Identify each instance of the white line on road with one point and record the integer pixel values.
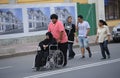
(1, 68)
(74, 68)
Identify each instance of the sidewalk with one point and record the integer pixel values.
(29, 48)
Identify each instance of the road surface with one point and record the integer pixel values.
(21, 67)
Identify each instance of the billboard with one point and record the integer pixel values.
(11, 21)
(38, 18)
(64, 12)
(31, 19)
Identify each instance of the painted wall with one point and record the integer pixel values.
(31, 19)
(81, 1)
(113, 22)
(4, 1)
(42, 1)
(39, 1)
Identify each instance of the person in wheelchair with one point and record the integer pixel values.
(44, 45)
(40, 59)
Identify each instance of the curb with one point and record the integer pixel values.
(33, 52)
(17, 54)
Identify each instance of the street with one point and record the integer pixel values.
(21, 67)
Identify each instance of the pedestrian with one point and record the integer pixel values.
(103, 37)
(70, 30)
(83, 29)
(56, 27)
(41, 57)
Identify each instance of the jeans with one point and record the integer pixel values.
(104, 49)
(70, 48)
(83, 42)
(63, 47)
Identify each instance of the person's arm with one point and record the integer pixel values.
(76, 33)
(97, 36)
(60, 38)
(41, 44)
(61, 30)
(88, 29)
(96, 41)
(74, 29)
(108, 34)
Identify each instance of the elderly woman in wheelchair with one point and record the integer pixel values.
(49, 56)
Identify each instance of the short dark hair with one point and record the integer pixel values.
(54, 16)
(80, 16)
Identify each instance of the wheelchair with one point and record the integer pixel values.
(55, 58)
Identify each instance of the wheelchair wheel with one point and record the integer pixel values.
(59, 59)
(50, 62)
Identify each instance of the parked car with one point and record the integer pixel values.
(116, 33)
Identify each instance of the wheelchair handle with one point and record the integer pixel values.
(56, 45)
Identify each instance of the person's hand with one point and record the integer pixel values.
(77, 40)
(96, 42)
(44, 46)
(108, 39)
(59, 41)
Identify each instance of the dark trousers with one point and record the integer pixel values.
(63, 47)
(104, 48)
(70, 48)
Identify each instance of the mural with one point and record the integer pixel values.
(38, 18)
(11, 21)
(64, 11)
(31, 19)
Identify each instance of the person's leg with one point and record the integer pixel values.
(86, 44)
(102, 51)
(83, 52)
(89, 51)
(82, 46)
(63, 47)
(106, 48)
(71, 52)
(69, 49)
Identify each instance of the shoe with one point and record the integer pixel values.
(103, 58)
(37, 68)
(108, 56)
(82, 57)
(70, 58)
(90, 55)
(34, 68)
(64, 65)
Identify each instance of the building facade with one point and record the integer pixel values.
(37, 20)
(108, 10)
(63, 14)
(9, 23)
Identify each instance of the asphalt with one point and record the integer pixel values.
(21, 67)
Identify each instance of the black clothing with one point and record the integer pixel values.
(104, 49)
(63, 47)
(40, 59)
(70, 30)
(47, 42)
(71, 52)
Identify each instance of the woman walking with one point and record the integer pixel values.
(70, 30)
(103, 37)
